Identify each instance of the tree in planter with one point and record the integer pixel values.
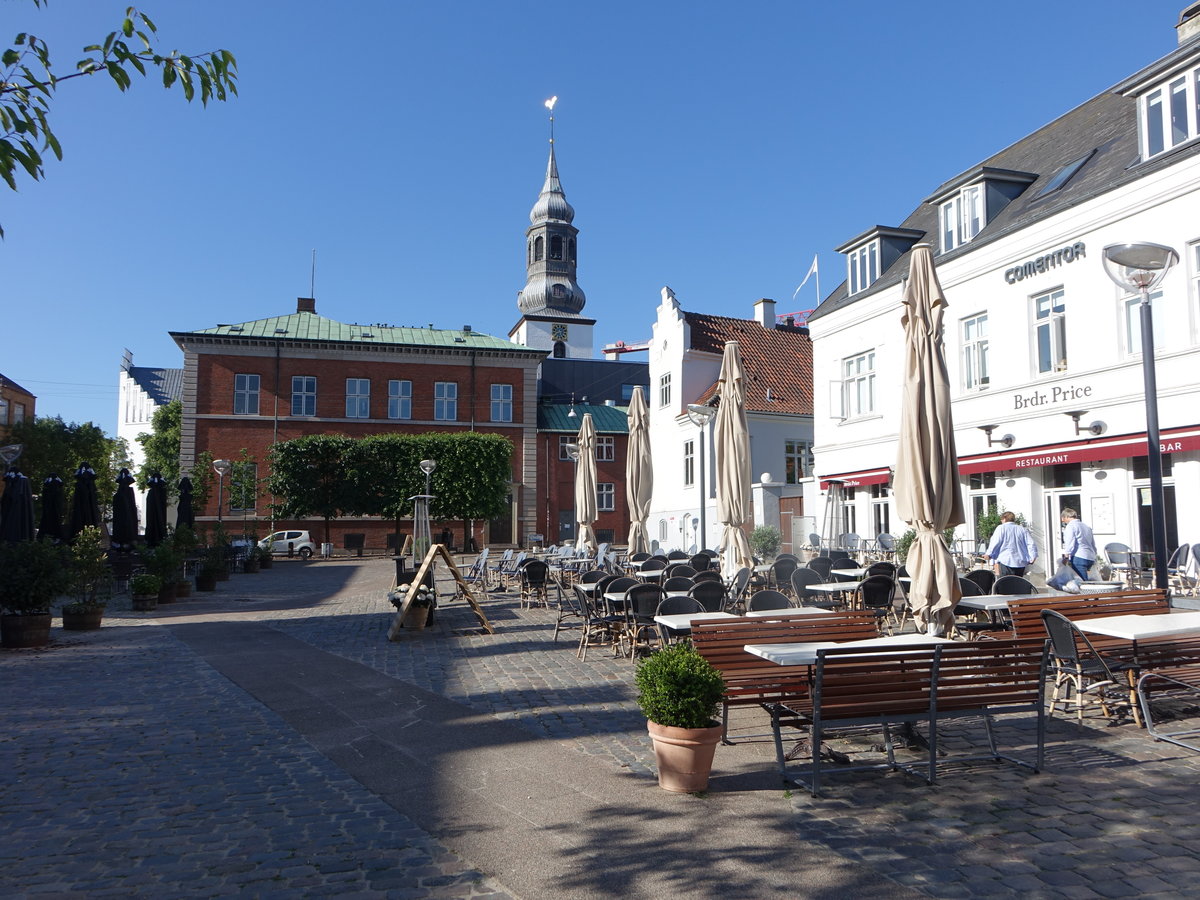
(905, 541)
(202, 476)
(91, 581)
(32, 575)
(766, 540)
(166, 562)
(309, 478)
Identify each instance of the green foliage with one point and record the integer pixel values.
(51, 445)
(161, 447)
(679, 688)
(203, 478)
(165, 561)
(185, 541)
(904, 543)
(989, 521)
(309, 478)
(141, 585)
(32, 575)
(28, 83)
(91, 576)
(765, 541)
(242, 489)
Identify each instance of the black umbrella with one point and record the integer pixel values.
(85, 507)
(17, 522)
(53, 506)
(156, 510)
(183, 513)
(125, 517)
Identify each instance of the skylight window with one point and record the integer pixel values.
(1063, 175)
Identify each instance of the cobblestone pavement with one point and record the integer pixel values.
(133, 768)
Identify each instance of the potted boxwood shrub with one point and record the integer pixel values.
(765, 541)
(32, 575)
(678, 692)
(91, 582)
(144, 589)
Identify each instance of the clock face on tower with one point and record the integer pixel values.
(558, 332)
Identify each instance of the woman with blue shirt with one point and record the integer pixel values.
(1012, 547)
(1079, 544)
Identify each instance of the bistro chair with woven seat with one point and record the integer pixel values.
(600, 626)
(886, 543)
(641, 605)
(676, 584)
(735, 590)
(1118, 556)
(1013, 584)
(569, 604)
(675, 606)
(879, 597)
(822, 565)
(653, 564)
(678, 555)
(882, 568)
(768, 600)
(971, 623)
(591, 576)
(534, 577)
(709, 594)
(700, 562)
(1088, 676)
(801, 579)
(708, 575)
(984, 578)
(620, 584)
(680, 569)
(842, 565)
(781, 574)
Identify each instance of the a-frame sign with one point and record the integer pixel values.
(435, 551)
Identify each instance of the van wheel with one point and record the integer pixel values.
(305, 552)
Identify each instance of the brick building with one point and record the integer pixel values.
(16, 404)
(252, 384)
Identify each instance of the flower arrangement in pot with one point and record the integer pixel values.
(144, 589)
(32, 575)
(91, 582)
(417, 614)
(678, 692)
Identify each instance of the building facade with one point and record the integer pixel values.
(1044, 350)
(16, 405)
(142, 391)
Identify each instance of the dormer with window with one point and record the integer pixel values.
(968, 203)
(870, 254)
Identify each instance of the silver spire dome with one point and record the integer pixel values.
(552, 202)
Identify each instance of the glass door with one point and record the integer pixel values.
(1056, 501)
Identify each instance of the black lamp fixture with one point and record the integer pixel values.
(1004, 441)
(1096, 429)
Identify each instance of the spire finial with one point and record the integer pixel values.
(550, 106)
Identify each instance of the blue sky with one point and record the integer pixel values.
(712, 147)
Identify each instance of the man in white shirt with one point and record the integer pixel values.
(1012, 546)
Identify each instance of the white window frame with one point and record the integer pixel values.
(962, 217)
(1193, 250)
(399, 399)
(1131, 313)
(797, 461)
(445, 401)
(502, 402)
(664, 390)
(1177, 122)
(358, 398)
(304, 392)
(689, 463)
(606, 448)
(858, 385)
(881, 508)
(606, 496)
(863, 265)
(973, 331)
(245, 393)
(1053, 324)
(3, 410)
(564, 441)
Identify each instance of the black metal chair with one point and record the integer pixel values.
(984, 578)
(735, 591)
(675, 606)
(677, 583)
(681, 569)
(534, 577)
(700, 562)
(600, 624)
(971, 623)
(675, 555)
(882, 568)
(768, 600)
(641, 605)
(822, 565)
(801, 579)
(710, 595)
(592, 575)
(781, 574)
(878, 597)
(1085, 672)
(1013, 584)
(841, 565)
(708, 575)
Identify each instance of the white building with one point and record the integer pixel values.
(685, 353)
(141, 391)
(1040, 342)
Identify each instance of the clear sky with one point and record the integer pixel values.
(712, 147)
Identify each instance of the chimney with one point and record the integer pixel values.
(306, 304)
(1188, 27)
(764, 312)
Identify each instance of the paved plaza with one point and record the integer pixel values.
(268, 741)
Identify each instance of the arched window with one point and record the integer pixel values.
(560, 350)
(662, 529)
(529, 253)
(558, 291)
(571, 248)
(537, 249)
(556, 247)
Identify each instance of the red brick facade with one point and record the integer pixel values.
(556, 490)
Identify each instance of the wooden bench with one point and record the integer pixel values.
(752, 681)
(1026, 612)
(886, 686)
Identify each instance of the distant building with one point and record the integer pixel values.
(16, 405)
(141, 391)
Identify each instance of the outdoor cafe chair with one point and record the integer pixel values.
(984, 578)
(591, 576)
(569, 606)
(1119, 558)
(882, 568)
(792, 556)
(835, 555)
(641, 605)
(675, 555)
(841, 565)
(735, 591)
(814, 541)
(676, 583)
(768, 600)
(700, 562)
(1013, 584)
(971, 623)
(708, 575)
(710, 595)
(1087, 676)
(781, 574)
(675, 606)
(600, 626)
(652, 565)
(885, 543)
(879, 597)
(680, 569)
(801, 579)
(822, 565)
(534, 576)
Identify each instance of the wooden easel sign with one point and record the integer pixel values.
(435, 551)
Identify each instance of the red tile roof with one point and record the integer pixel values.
(777, 359)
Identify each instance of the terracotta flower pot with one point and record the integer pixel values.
(28, 630)
(684, 756)
(86, 620)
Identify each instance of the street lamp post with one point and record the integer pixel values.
(573, 454)
(422, 538)
(700, 416)
(1140, 268)
(222, 467)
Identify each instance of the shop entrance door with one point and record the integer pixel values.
(1056, 501)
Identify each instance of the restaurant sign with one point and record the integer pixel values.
(1085, 451)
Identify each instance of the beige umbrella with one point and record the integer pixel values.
(733, 462)
(585, 485)
(926, 480)
(639, 472)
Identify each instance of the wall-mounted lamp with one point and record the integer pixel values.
(1096, 428)
(1005, 441)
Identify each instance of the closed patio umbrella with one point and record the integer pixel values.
(125, 520)
(184, 515)
(585, 485)
(732, 438)
(639, 472)
(17, 522)
(54, 505)
(85, 506)
(156, 510)
(926, 479)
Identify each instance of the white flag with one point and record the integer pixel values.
(812, 270)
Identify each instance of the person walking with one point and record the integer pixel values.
(1079, 544)
(1012, 548)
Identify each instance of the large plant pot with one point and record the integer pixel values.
(206, 582)
(416, 617)
(266, 562)
(183, 590)
(250, 567)
(87, 620)
(684, 756)
(28, 630)
(145, 602)
(166, 593)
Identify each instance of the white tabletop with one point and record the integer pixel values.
(588, 588)
(987, 603)
(833, 587)
(764, 568)
(851, 573)
(1140, 627)
(683, 621)
(652, 575)
(806, 654)
(790, 611)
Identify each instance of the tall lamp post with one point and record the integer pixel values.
(422, 539)
(700, 416)
(573, 454)
(222, 467)
(1140, 268)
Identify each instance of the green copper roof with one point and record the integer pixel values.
(607, 419)
(306, 326)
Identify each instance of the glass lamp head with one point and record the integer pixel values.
(222, 467)
(573, 451)
(1138, 267)
(428, 465)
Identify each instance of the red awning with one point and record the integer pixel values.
(858, 479)
(1172, 440)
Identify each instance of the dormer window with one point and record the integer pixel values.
(1168, 115)
(962, 217)
(864, 266)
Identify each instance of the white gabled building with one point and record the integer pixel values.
(141, 391)
(1040, 342)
